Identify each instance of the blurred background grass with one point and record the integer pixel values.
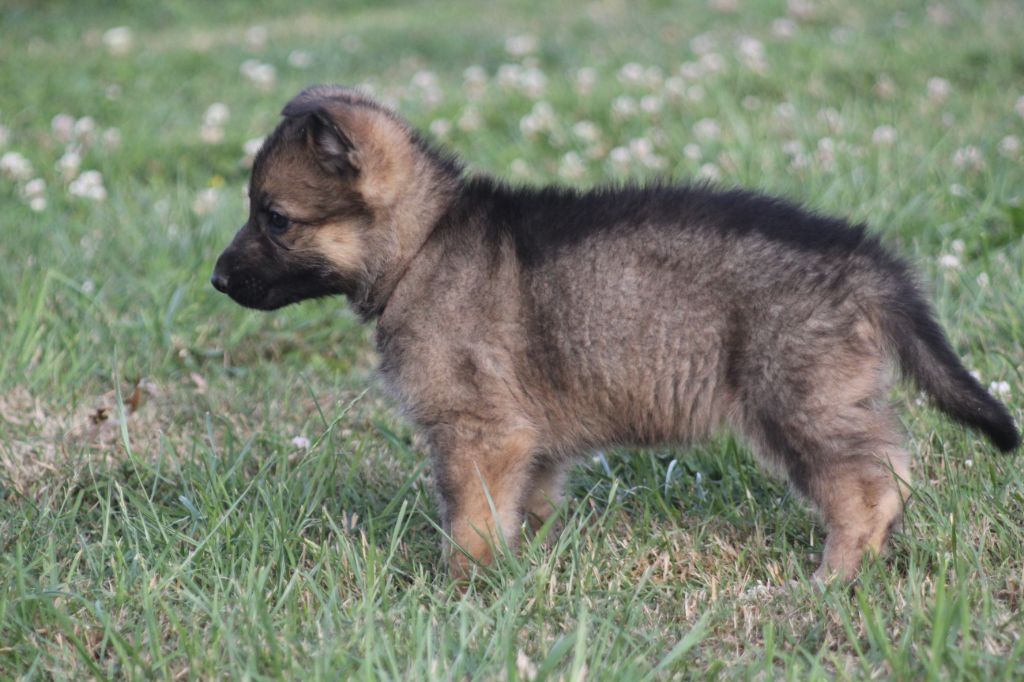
(204, 526)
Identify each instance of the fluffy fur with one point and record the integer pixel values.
(521, 327)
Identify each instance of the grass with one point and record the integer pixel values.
(158, 519)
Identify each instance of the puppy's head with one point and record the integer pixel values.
(324, 192)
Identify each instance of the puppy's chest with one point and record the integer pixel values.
(437, 367)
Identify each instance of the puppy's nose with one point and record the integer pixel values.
(219, 281)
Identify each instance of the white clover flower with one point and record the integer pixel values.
(709, 171)
(724, 6)
(532, 82)
(425, 80)
(470, 120)
(653, 76)
(586, 79)
(983, 280)
(712, 62)
(884, 136)
(675, 87)
(541, 119)
(1000, 388)
(957, 190)
(475, 74)
(958, 246)
(948, 261)
(440, 127)
(88, 287)
(263, 76)
(631, 74)
(651, 104)
(521, 45)
(1009, 146)
(68, 164)
(301, 442)
(63, 127)
(474, 81)
(783, 28)
(623, 107)
(938, 89)
(211, 134)
(256, 37)
(85, 128)
(586, 131)
(111, 138)
(707, 129)
(217, 114)
(118, 40)
(785, 110)
(88, 185)
(802, 10)
(969, 157)
(508, 76)
(37, 204)
(693, 152)
(654, 162)
(691, 71)
(640, 147)
(620, 157)
(520, 169)
(34, 188)
(800, 161)
(752, 53)
(792, 147)
(300, 59)
(702, 43)
(885, 87)
(15, 166)
(826, 153)
(572, 167)
(206, 201)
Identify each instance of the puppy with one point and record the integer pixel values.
(520, 327)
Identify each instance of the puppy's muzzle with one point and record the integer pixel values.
(219, 280)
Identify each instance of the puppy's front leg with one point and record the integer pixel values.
(481, 472)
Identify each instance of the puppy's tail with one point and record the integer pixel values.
(925, 355)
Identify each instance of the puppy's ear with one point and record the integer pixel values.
(332, 147)
(321, 120)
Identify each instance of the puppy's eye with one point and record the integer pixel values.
(278, 223)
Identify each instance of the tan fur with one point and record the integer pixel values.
(339, 244)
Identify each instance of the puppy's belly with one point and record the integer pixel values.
(658, 398)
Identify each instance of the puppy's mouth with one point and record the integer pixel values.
(255, 291)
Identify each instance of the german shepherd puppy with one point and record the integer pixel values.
(520, 327)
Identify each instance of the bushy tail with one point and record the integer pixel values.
(926, 356)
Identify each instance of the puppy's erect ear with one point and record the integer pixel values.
(321, 118)
(333, 148)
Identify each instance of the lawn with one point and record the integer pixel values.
(191, 490)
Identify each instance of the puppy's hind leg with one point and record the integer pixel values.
(851, 467)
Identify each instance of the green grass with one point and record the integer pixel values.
(172, 529)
